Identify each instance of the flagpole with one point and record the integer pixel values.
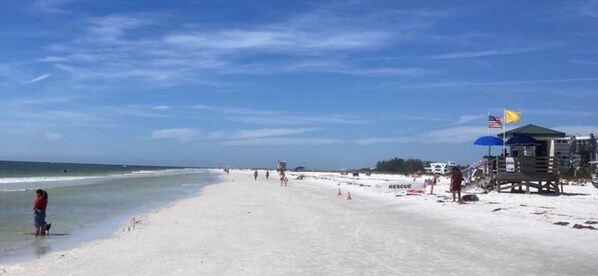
(504, 123)
(488, 124)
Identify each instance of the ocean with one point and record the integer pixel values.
(85, 202)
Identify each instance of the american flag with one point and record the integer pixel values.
(494, 122)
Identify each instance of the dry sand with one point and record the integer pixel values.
(247, 227)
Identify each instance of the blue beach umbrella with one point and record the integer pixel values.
(522, 140)
(488, 141)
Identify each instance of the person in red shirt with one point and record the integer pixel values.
(39, 212)
(456, 180)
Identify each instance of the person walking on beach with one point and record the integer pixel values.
(456, 180)
(39, 212)
(283, 179)
(255, 175)
(267, 174)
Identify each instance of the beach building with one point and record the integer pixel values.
(440, 168)
(570, 149)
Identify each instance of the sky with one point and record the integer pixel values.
(320, 84)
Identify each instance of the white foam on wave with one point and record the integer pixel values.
(37, 179)
(17, 190)
(162, 172)
(42, 179)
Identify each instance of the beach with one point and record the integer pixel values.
(242, 226)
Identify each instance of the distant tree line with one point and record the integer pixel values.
(400, 165)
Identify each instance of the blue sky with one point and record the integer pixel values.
(322, 84)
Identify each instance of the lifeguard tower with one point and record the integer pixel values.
(530, 162)
(281, 166)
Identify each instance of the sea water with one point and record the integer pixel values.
(85, 202)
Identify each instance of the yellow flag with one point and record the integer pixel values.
(512, 116)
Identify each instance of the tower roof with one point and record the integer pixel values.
(533, 131)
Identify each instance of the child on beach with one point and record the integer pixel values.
(456, 179)
(267, 174)
(39, 212)
(255, 175)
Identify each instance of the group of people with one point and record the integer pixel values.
(42, 228)
(283, 178)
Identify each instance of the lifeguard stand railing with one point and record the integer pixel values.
(540, 172)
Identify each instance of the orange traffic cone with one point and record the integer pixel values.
(339, 192)
(349, 196)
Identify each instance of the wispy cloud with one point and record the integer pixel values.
(578, 129)
(492, 52)
(473, 54)
(266, 117)
(282, 40)
(114, 27)
(585, 62)
(391, 140)
(181, 134)
(516, 82)
(39, 78)
(51, 6)
(116, 47)
(589, 8)
(269, 132)
(162, 107)
(135, 110)
(563, 111)
(468, 118)
(53, 136)
(454, 135)
(282, 141)
(239, 137)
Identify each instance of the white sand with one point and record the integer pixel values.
(247, 227)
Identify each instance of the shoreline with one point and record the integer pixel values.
(102, 229)
(239, 226)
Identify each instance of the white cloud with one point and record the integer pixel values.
(585, 62)
(113, 47)
(473, 54)
(266, 117)
(277, 39)
(589, 8)
(455, 135)
(269, 132)
(578, 129)
(393, 140)
(51, 6)
(516, 82)
(181, 134)
(162, 107)
(492, 52)
(468, 118)
(39, 78)
(235, 137)
(53, 136)
(113, 27)
(282, 141)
